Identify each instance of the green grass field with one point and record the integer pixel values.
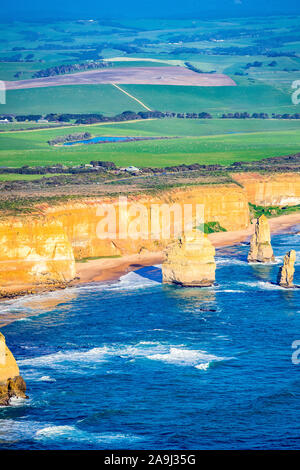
(108, 100)
(17, 177)
(258, 98)
(195, 143)
(104, 99)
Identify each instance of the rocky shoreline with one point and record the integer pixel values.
(11, 383)
(111, 269)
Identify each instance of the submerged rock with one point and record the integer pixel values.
(286, 272)
(190, 262)
(11, 383)
(261, 250)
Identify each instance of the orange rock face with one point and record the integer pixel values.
(261, 250)
(41, 250)
(190, 262)
(271, 190)
(286, 272)
(34, 252)
(81, 221)
(11, 383)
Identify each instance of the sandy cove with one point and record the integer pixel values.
(108, 269)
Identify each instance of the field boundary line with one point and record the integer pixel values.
(131, 96)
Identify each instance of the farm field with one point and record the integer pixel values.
(31, 148)
(167, 127)
(108, 100)
(263, 73)
(17, 177)
(215, 100)
(132, 75)
(104, 99)
(261, 56)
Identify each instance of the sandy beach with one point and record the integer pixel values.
(107, 269)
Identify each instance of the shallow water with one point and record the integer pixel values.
(140, 365)
(97, 140)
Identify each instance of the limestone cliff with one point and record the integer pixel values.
(11, 383)
(40, 251)
(190, 262)
(286, 272)
(260, 245)
(271, 190)
(34, 251)
(226, 204)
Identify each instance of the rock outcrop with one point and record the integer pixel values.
(286, 272)
(34, 252)
(261, 250)
(190, 262)
(11, 383)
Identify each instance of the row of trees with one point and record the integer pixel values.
(69, 68)
(125, 116)
(246, 115)
(131, 116)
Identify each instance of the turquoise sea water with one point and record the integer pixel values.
(136, 364)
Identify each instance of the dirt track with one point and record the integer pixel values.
(128, 75)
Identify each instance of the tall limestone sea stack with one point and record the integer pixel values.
(190, 262)
(286, 272)
(261, 250)
(11, 383)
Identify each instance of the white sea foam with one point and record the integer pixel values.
(224, 261)
(13, 429)
(233, 290)
(55, 431)
(186, 357)
(72, 360)
(17, 402)
(262, 285)
(14, 402)
(46, 378)
(73, 433)
(128, 282)
(53, 360)
(204, 366)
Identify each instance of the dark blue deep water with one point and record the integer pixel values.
(139, 365)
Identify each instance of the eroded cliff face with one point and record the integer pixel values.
(190, 262)
(34, 251)
(11, 383)
(227, 205)
(40, 251)
(271, 190)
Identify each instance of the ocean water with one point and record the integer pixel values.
(136, 364)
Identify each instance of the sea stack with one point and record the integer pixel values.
(11, 383)
(286, 272)
(261, 250)
(190, 261)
